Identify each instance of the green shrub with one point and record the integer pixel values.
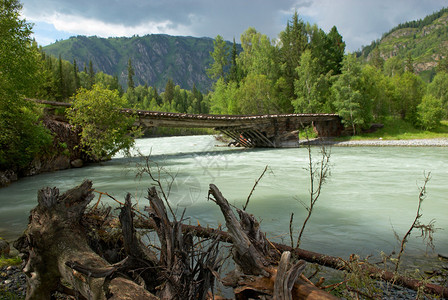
(104, 129)
(430, 112)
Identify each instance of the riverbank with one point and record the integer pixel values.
(438, 142)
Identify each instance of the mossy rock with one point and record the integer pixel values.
(4, 247)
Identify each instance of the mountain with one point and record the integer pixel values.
(155, 58)
(425, 41)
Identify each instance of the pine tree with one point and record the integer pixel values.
(76, 76)
(293, 43)
(91, 75)
(169, 91)
(60, 81)
(410, 64)
(335, 49)
(233, 74)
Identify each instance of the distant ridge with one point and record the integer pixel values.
(155, 58)
(425, 41)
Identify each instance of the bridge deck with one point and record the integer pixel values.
(248, 130)
(167, 119)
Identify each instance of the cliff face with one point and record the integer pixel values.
(155, 58)
(425, 41)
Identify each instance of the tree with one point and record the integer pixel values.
(409, 63)
(220, 58)
(254, 95)
(22, 136)
(258, 54)
(76, 76)
(430, 112)
(224, 98)
(335, 48)
(293, 41)
(312, 89)
(60, 81)
(439, 89)
(91, 81)
(130, 75)
(376, 60)
(169, 91)
(234, 70)
(350, 101)
(409, 90)
(104, 129)
(378, 88)
(393, 66)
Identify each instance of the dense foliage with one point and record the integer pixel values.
(21, 134)
(306, 71)
(104, 129)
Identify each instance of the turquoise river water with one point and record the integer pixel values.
(371, 192)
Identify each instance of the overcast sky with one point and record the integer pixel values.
(358, 21)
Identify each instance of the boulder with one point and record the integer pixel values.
(6, 177)
(77, 163)
(4, 247)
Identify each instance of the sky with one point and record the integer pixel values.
(358, 21)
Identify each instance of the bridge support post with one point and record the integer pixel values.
(328, 128)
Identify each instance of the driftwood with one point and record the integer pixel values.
(182, 278)
(320, 259)
(254, 256)
(55, 247)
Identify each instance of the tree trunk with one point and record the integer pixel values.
(56, 248)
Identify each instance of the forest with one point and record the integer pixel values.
(305, 70)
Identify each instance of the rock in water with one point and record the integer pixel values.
(77, 163)
(4, 247)
(443, 256)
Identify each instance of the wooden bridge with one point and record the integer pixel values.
(247, 130)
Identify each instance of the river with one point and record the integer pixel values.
(371, 192)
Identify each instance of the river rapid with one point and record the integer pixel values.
(371, 192)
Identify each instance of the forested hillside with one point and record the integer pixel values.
(422, 42)
(155, 58)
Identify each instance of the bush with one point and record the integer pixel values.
(104, 129)
(430, 112)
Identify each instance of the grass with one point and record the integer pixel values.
(397, 129)
(12, 261)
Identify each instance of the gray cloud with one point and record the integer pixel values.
(359, 21)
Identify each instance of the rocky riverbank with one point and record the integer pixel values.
(64, 153)
(440, 142)
(12, 283)
(13, 286)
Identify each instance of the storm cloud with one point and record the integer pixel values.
(358, 21)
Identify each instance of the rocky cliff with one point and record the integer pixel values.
(155, 58)
(425, 41)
